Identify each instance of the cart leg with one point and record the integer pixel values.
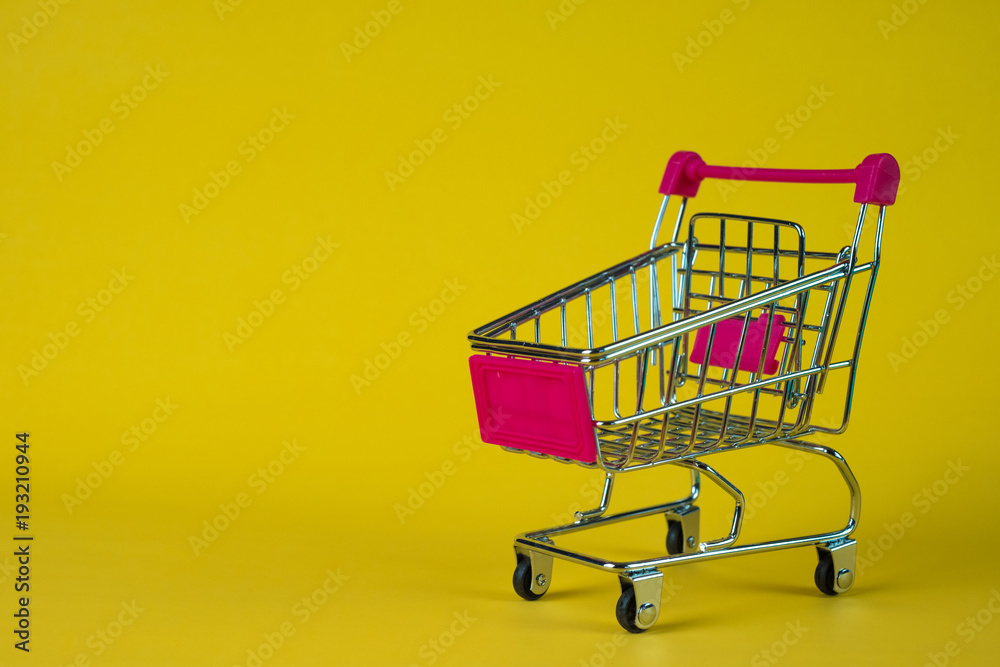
(837, 565)
(586, 515)
(845, 470)
(703, 468)
(683, 530)
(639, 604)
(533, 573)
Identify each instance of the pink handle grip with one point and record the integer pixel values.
(876, 179)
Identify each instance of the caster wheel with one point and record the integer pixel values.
(625, 611)
(825, 575)
(675, 538)
(522, 580)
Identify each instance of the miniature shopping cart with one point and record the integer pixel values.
(733, 337)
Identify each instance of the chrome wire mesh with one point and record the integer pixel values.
(631, 328)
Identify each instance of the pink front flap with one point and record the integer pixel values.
(534, 405)
(726, 344)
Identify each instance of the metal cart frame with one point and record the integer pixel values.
(737, 397)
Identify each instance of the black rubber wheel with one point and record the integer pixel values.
(675, 538)
(522, 580)
(625, 611)
(825, 575)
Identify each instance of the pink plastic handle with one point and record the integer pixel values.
(876, 179)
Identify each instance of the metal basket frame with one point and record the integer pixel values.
(675, 429)
(667, 428)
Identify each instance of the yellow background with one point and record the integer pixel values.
(334, 507)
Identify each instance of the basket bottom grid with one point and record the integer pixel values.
(614, 442)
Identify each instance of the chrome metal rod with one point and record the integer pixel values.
(735, 493)
(539, 540)
(581, 524)
(588, 515)
(659, 220)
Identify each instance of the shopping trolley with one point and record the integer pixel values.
(718, 342)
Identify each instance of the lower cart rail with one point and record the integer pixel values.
(641, 580)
